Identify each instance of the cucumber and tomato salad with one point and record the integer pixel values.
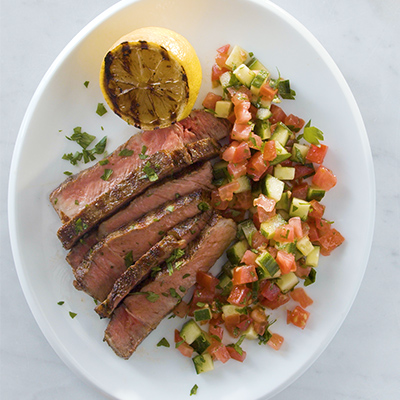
(270, 180)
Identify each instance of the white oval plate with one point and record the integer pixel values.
(62, 102)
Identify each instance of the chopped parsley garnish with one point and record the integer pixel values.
(311, 134)
(80, 226)
(174, 294)
(163, 342)
(285, 91)
(236, 345)
(150, 173)
(86, 83)
(72, 314)
(143, 155)
(310, 279)
(171, 260)
(182, 289)
(77, 202)
(68, 173)
(103, 162)
(82, 138)
(150, 296)
(155, 270)
(60, 303)
(128, 259)
(203, 206)
(101, 110)
(185, 276)
(107, 174)
(194, 390)
(125, 153)
(170, 208)
(100, 146)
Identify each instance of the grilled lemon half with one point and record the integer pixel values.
(151, 77)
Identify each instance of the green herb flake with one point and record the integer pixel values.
(103, 162)
(125, 153)
(200, 304)
(55, 201)
(161, 233)
(80, 226)
(101, 110)
(174, 294)
(310, 279)
(152, 297)
(100, 147)
(182, 289)
(177, 344)
(86, 83)
(194, 390)
(170, 208)
(60, 303)
(150, 173)
(72, 314)
(128, 259)
(107, 174)
(68, 173)
(203, 206)
(163, 342)
(143, 155)
(312, 134)
(82, 138)
(185, 276)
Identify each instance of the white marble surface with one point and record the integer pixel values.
(362, 36)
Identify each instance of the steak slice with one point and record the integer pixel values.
(197, 177)
(137, 316)
(108, 259)
(158, 166)
(177, 238)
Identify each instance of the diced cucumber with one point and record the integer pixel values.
(312, 259)
(190, 331)
(255, 64)
(229, 310)
(288, 247)
(223, 108)
(258, 81)
(284, 202)
(263, 128)
(299, 208)
(281, 134)
(272, 187)
(220, 170)
(203, 363)
(263, 113)
(315, 193)
(248, 228)
(224, 280)
(267, 267)
(225, 79)
(236, 252)
(269, 226)
(244, 184)
(299, 152)
(305, 246)
(287, 282)
(284, 173)
(281, 154)
(202, 314)
(236, 57)
(244, 75)
(250, 333)
(227, 269)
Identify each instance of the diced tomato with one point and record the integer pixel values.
(270, 291)
(253, 110)
(300, 296)
(184, 348)
(182, 309)
(316, 154)
(249, 258)
(258, 315)
(237, 169)
(258, 240)
(286, 262)
(331, 240)
(301, 171)
(242, 201)
(316, 210)
(324, 178)
(239, 296)
(269, 150)
(239, 94)
(278, 115)
(297, 226)
(284, 234)
(206, 281)
(230, 151)
(210, 100)
(241, 132)
(236, 215)
(224, 49)
(244, 274)
(323, 226)
(177, 336)
(216, 72)
(216, 330)
(226, 191)
(259, 327)
(257, 166)
(244, 324)
(218, 351)
(201, 295)
(264, 215)
(298, 317)
(242, 153)
(255, 142)
(300, 191)
(302, 271)
(235, 355)
(273, 251)
(274, 304)
(216, 201)
(313, 232)
(242, 113)
(275, 341)
(231, 323)
(220, 59)
(264, 202)
(267, 92)
(294, 123)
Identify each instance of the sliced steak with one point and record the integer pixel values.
(137, 316)
(195, 178)
(158, 166)
(108, 259)
(181, 185)
(177, 238)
